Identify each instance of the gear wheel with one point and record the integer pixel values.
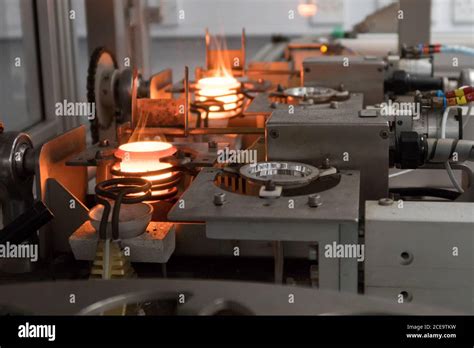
(94, 63)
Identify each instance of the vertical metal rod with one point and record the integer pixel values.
(135, 117)
(106, 267)
(243, 49)
(186, 101)
(208, 42)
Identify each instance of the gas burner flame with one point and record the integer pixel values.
(219, 91)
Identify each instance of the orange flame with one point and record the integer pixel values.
(220, 84)
(221, 61)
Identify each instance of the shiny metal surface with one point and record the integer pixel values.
(16, 182)
(340, 204)
(286, 174)
(319, 132)
(315, 94)
(16, 188)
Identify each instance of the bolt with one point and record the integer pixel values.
(326, 164)
(384, 134)
(314, 200)
(385, 201)
(219, 199)
(274, 133)
(334, 105)
(270, 185)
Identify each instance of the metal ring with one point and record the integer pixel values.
(285, 174)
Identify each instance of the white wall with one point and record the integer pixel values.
(265, 17)
(9, 18)
(259, 17)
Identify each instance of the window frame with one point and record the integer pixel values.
(50, 41)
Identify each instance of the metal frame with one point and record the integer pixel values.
(30, 45)
(57, 64)
(30, 57)
(56, 183)
(105, 26)
(122, 27)
(415, 28)
(243, 217)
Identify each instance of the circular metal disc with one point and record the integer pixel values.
(285, 174)
(316, 93)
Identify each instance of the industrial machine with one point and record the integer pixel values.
(324, 168)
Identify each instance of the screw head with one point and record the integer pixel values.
(326, 164)
(274, 133)
(385, 201)
(219, 198)
(383, 134)
(314, 200)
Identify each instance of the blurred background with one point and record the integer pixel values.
(173, 32)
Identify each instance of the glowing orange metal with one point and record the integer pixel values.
(144, 156)
(223, 89)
